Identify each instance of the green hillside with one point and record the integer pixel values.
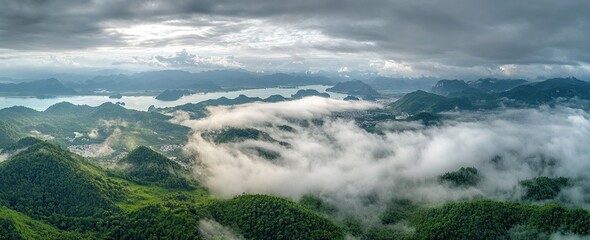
(15, 225)
(50, 183)
(420, 101)
(9, 134)
(494, 220)
(47, 192)
(145, 166)
(265, 217)
(81, 126)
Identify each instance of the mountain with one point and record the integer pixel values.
(199, 109)
(207, 81)
(266, 217)
(446, 87)
(386, 83)
(356, 88)
(205, 86)
(351, 98)
(47, 192)
(173, 95)
(461, 95)
(145, 166)
(275, 98)
(495, 85)
(308, 93)
(85, 129)
(9, 134)
(421, 101)
(549, 90)
(238, 135)
(16, 225)
(21, 144)
(487, 85)
(49, 87)
(46, 180)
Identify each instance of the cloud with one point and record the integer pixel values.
(211, 230)
(4, 157)
(184, 59)
(40, 135)
(345, 164)
(456, 38)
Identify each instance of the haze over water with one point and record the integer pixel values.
(142, 103)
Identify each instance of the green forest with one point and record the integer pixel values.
(47, 192)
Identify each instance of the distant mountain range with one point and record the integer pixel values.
(490, 93)
(488, 85)
(355, 88)
(202, 81)
(41, 88)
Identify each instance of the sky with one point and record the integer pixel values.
(446, 39)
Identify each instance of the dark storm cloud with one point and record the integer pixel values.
(457, 32)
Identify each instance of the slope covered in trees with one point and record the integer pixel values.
(420, 101)
(145, 166)
(49, 192)
(265, 217)
(50, 183)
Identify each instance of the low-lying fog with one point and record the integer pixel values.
(346, 165)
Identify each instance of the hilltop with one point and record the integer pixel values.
(355, 88)
(145, 166)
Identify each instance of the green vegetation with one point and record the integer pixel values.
(397, 210)
(464, 177)
(173, 95)
(50, 183)
(492, 94)
(265, 217)
(239, 134)
(308, 93)
(145, 166)
(47, 192)
(426, 118)
(494, 220)
(9, 134)
(228, 135)
(420, 101)
(167, 221)
(356, 88)
(15, 225)
(316, 204)
(21, 144)
(446, 87)
(542, 188)
(81, 127)
(40, 88)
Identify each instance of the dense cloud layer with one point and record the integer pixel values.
(346, 165)
(451, 38)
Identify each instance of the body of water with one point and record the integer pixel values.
(144, 102)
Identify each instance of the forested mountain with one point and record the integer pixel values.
(484, 85)
(356, 88)
(87, 130)
(145, 166)
(420, 101)
(40, 88)
(48, 191)
(459, 95)
(200, 81)
(446, 87)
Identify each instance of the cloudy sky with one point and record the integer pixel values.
(454, 38)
